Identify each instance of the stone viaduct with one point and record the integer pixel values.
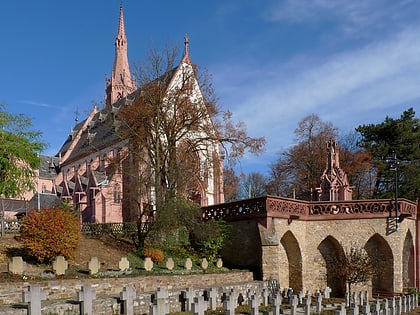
(291, 241)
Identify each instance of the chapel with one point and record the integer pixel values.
(85, 175)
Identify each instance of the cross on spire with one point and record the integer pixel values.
(186, 52)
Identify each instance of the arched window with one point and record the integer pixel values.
(117, 193)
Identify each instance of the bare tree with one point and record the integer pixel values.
(253, 185)
(299, 168)
(355, 267)
(230, 184)
(174, 130)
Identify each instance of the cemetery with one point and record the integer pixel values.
(212, 293)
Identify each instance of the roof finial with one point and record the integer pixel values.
(76, 119)
(186, 52)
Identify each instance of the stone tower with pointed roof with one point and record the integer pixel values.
(121, 83)
(334, 183)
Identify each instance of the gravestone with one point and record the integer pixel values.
(204, 264)
(385, 308)
(354, 298)
(403, 304)
(213, 292)
(300, 297)
(366, 308)
(366, 296)
(318, 297)
(199, 306)
(229, 306)
(170, 264)
(86, 297)
(60, 265)
(293, 305)
(361, 296)
(33, 297)
(148, 264)
(188, 264)
(233, 296)
(249, 294)
(327, 292)
(341, 310)
(255, 303)
(123, 264)
(219, 263)
(398, 305)
(16, 266)
(354, 309)
(392, 306)
(289, 295)
(308, 304)
(265, 295)
(162, 301)
(189, 298)
(277, 303)
(128, 295)
(376, 308)
(94, 265)
(347, 299)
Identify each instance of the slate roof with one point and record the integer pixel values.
(100, 132)
(48, 168)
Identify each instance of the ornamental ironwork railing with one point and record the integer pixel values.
(270, 206)
(91, 229)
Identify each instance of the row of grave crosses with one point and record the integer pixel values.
(198, 303)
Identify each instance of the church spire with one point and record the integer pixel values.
(186, 57)
(120, 84)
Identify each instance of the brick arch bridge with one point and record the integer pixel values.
(291, 240)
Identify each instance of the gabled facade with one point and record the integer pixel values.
(86, 175)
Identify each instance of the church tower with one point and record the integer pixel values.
(120, 84)
(334, 183)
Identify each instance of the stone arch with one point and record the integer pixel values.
(380, 252)
(332, 251)
(408, 261)
(294, 260)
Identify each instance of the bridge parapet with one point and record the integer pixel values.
(278, 207)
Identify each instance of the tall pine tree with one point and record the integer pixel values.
(398, 138)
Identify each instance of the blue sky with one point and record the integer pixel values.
(272, 62)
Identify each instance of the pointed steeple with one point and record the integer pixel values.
(334, 183)
(186, 58)
(120, 84)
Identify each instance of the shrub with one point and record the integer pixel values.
(210, 237)
(49, 233)
(156, 255)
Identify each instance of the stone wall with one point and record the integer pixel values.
(293, 251)
(61, 294)
(300, 242)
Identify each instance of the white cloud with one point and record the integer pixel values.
(38, 104)
(349, 87)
